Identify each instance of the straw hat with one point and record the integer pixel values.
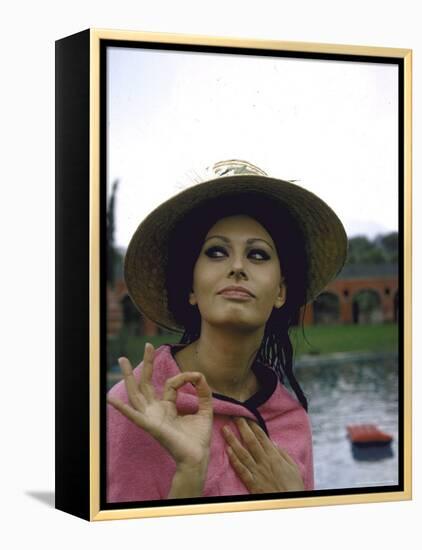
(146, 257)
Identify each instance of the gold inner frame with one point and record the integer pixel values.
(96, 514)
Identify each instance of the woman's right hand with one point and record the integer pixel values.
(187, 438)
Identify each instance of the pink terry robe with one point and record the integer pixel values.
(139, 469)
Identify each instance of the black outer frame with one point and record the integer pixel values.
(73, 436)
(72, 473)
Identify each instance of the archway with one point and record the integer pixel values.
(132, 319)
(327, 308)
(366, 307)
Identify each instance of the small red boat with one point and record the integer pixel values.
(367, 434)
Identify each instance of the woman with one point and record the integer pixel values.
(230, 262)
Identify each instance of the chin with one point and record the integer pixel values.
(237, 323)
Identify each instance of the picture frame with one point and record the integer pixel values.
(96, 99)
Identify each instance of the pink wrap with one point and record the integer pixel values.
(139, 469)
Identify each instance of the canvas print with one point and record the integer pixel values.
(252, 284)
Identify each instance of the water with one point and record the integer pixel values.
(352, 393)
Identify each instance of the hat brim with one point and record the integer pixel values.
(147, 253)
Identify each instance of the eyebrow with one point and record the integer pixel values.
(248, 241)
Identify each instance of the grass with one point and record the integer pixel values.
(322, 339)
(319, 339)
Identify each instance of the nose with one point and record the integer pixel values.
(237, 268)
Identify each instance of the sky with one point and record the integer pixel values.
(331, 126)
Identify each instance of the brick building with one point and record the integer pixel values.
(360, 294)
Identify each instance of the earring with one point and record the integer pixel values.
(279, 302)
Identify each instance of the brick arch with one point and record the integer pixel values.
(376, 291)
(325, 312)
(346, 288)
(145, 326)
(373, 315)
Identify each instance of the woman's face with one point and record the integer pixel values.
(237, 279)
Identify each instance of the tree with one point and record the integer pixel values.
(390, 245)
(111, 251)
(383, 249)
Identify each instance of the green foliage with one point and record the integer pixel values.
(382, 249)
(367, 301)
(390, 245)
(111, 250)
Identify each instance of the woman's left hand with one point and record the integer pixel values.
(260, 464)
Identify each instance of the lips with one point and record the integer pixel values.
(236, 292)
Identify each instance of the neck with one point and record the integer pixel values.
(225, 358)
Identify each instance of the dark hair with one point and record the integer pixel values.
(185, 244)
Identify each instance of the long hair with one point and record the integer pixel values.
(276, 349)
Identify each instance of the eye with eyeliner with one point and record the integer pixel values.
(218, 252)
(258, 254)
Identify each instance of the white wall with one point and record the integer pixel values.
(27, 229)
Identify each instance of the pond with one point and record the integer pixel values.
(352, 392)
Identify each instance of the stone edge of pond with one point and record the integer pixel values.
(343, 357)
